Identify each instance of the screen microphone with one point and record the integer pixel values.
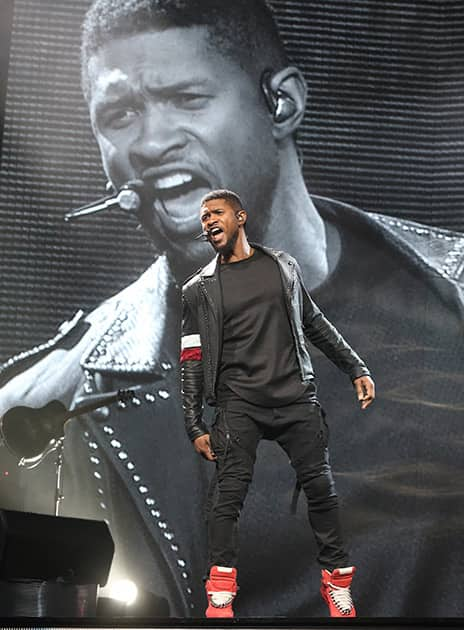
(128, 199)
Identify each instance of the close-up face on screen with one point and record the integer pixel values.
(220, 224)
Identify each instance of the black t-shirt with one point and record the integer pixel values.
(259, 362)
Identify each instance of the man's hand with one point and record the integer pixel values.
(203, 447)
(365, 390)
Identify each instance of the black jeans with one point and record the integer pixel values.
(301, 430)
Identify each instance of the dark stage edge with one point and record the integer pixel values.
(250, 623)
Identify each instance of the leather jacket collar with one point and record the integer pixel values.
(210, 269)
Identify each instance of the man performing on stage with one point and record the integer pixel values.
(246, 318)
(199, 95)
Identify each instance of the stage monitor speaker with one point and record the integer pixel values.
(50, 548)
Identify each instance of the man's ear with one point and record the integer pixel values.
(241, 216)
(285, 94)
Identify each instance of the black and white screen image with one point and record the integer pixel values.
(341, 127)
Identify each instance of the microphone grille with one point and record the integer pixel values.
(129, 200)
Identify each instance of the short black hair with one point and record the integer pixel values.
(224, 193)
(244, 30)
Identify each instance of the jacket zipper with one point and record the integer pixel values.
(205, 317)
(288, 295)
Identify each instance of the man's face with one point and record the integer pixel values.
(168, 109)
(220, 223)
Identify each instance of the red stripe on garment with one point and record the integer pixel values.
(190, 354)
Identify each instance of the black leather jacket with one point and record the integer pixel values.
(202, 327)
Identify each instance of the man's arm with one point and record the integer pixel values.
(326, 337)
(192, 382)
(34, 378)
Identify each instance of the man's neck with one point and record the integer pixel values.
(241, 250)
(295, 225)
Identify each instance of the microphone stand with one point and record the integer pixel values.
(59, 496)
(56, 444)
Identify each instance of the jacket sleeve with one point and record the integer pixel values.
(326, 337)
(191, 373)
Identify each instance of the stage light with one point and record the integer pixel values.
(123, 598)
(124, 591)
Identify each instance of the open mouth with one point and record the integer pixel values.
(180, 195)
(215, 233)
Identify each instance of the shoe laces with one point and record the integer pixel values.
(341, 597)
(221, 599)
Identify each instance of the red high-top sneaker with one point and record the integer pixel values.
(221, 589)
(335, 589)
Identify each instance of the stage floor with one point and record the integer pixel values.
(248, 623)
